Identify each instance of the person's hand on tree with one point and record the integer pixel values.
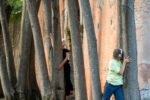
(51, 38)
(67, 55)
(58, 68)
(127, 60)
(64, 61)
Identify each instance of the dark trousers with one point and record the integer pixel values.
(110, 89)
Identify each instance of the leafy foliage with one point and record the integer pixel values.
(16, 8)
(67, 32)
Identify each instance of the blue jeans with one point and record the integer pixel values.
(110, 89)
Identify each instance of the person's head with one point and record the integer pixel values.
(63, 44)
(118, 54)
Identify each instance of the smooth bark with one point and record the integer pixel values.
(131, 91)
(39, 51)
(26, 41)
(92, 49)
(6, 84)
(48, 30)
(79, 73)
(123, 27)
(8, 45)
(58, 77)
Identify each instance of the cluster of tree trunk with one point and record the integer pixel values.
(14, 85)
(129, 46)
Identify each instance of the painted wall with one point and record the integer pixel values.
(142, 19)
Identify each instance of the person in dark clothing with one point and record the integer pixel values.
(65, 64)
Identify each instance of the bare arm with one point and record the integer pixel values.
(51, 39)
(64, 61)
(124, 65)
(123, 68)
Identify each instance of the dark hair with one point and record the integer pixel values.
(118, 53)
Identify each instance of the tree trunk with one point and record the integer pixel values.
(58, 77)
(123, 27)
(92, 49)
(47, 42)
(131, 91)
(48, 30)
(26, 41)
(8, 46)
(39, 51)
(6, 85)
(79, 74)
(119, 32)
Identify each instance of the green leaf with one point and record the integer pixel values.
(16, 6)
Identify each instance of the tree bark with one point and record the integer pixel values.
(123, 27)
(6, 85)
(79, 74)
(26, 41)
(131, 91)
(119, 32)
(92, 49)
(8, 46)
(58, 77)
(48, 30)
(39, 51)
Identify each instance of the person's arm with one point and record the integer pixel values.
(124, 65)
(64, 61)
(51, 39)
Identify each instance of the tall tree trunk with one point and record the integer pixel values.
(48, 30)
(8, 46)
(92, 49)
(119, 32)
(39, 51)
(79, 74)
(81, 15)
(26, 38)
(26, 41)
(6, 85)
(47, 42)
(123, 34)
(58, 77)
(131, 91)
